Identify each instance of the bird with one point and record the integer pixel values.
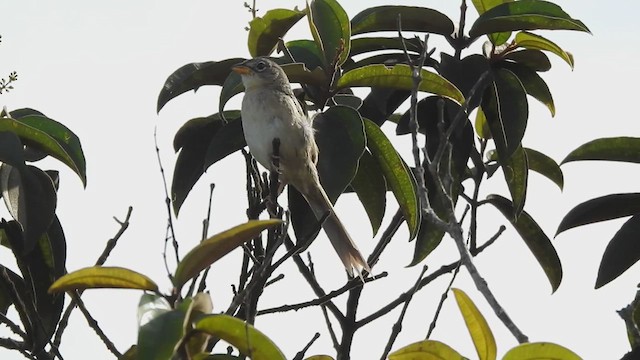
(271, 111)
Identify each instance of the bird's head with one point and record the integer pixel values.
(261, 72)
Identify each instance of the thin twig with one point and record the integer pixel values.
(323, 300)
(300, 354)
(13, 344)
(205, 231)
(495, 237)
(111, 243)
(397, 327)
(12, 326)
(167, 199)
(94, 324)
(432, 326)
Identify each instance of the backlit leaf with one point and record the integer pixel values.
(525, 15)
(247, 339)
(426, 350)
(398, 177)
(399, 77)
(479, 330)
(103, 277)
(265, 31)
(333, 30)
(217, 246)
(536, 42)
(540, 351)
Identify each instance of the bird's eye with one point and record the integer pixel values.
(261, 65)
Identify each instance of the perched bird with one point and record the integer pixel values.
(270, 110)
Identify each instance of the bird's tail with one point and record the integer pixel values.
(336, 232)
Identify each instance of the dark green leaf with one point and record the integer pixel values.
(506, 109)
(621, 252)
(158, 337)
(194, 140)
(482, 6)
(625, 149)
(192, 76)
(31, 199)
(538, 243)
(533, 84)
(341, 141)
(398, 177)
(536, 42)
(306, 52)
(12, 287)
(266, 31)
(601, 209)
(388, 60)
(464, 74)
(399, 77)
(533, 59)
(380, 104)
(368, 44)
(371, 188)
(333, 30)
(231, 87)
(516, 174)
(349, 100)
(51, 137)
(40, 268)
(226, 141)
(524, 15)
(545, 166)
(11, 149)
(385, 18)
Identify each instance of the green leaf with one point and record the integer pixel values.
(524, 15)
(545, 166)
(533, 84)
(625, 149)
(621, 252)
(247, 339)
(482, 6)
(199, 145)
(398, 177)
(369, 44)
(160, 333)
(11, 149)
(231, 87)
(51, 137)
(465, 73)
(349, 100)
(538, 243)
(385, 18)
(339, 134)
(601, 209)
(371, 188)
(479, 330)
(333, 30)
(266, 31)
(103, 277)
(539, 351)
(506, 109)
(380, 103)
(193, 76)
(516, 174)
(31, 199)
(217, 246)
(481, 125)
(40, 267)
(426, 350)
(306, 52)
(399, 77)
(536, 42)
(533, 59)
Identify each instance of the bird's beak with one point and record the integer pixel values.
(241, 69)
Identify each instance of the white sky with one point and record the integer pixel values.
(98, 68)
